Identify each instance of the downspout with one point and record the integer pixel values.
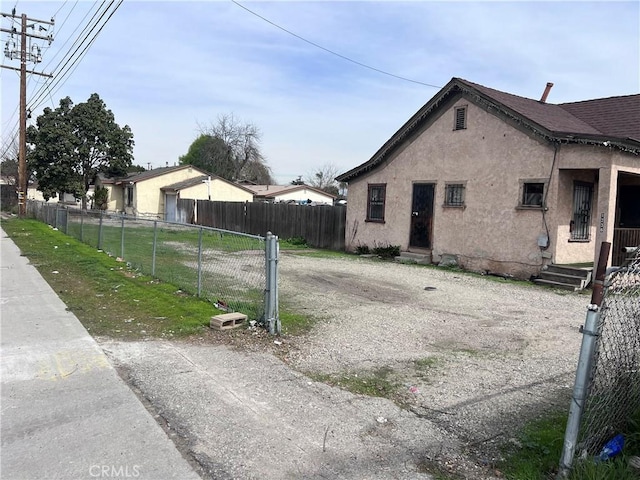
(556, 149)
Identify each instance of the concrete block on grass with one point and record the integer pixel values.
(227, 321)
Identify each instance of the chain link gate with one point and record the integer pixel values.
(607, 388)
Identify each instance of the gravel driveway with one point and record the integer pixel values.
(476, 355)
(468, 359)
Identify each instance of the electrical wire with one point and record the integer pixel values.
(31, 78)
(82, 54)
(364, 65)
(71, 61)
(33, 104)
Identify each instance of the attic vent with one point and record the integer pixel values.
(460, 118)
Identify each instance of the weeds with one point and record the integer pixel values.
(375, 383)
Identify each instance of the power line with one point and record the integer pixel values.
(69, 58)
(31, 78)
(331, 51)
(82, 54)
(62, 76)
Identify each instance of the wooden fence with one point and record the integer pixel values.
(321, 226)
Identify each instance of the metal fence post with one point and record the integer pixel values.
(199, 261)
(153, 255)
(122, 237)
(100, 232)
(590, 332)
(66, 222)
(82, 212)
(271, 291)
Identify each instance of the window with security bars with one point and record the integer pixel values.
(375, 202)
(454, 195)
(532, 194)
(460, 121)
(580, 226)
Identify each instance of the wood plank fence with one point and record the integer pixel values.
(322, 226)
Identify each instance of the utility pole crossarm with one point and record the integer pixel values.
(28, 71)
(48, 38)
(13, 15)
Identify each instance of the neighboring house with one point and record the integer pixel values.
(154, 193)
(503, 183)
(203, 187)
(301, 194)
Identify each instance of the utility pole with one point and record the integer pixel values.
(33, 55)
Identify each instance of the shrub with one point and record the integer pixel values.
(298, 241)
(362, 249)
(387, 251)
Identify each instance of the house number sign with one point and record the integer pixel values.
(601, 222)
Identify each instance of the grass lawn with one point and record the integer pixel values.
(108, 297)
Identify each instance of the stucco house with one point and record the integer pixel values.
(501, 183)
(155, 193)
(290, 193)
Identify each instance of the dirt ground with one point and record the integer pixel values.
(478, 356)
(467, 359)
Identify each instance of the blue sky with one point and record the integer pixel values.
(168, 68)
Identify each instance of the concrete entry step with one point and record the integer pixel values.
(560, 285)
(411, 257)
(567, 278)
(227, 321)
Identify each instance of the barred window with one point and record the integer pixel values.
(376, 202)
(454, 195)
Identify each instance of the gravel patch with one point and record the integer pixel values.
(478, 356)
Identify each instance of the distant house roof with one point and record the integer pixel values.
(272, 191)
(156, 172)
(615, 119)
(192, 182)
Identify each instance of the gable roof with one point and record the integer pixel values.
(156, 172)
(192, 182)
(615, 120)
(272, 191)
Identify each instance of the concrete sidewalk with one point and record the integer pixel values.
(66, 414)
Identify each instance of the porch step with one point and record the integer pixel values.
(410, 257)
(567, 278)
(560, 285)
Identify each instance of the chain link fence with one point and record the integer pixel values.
(604, 406)
(229, 269)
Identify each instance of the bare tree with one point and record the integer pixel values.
(242, 141)
(325, 179)
(9, 161)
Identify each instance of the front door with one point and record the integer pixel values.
(422, 215)
(580, 225)
(171, 207)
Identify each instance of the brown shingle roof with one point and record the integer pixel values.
(614, 119)
(615, 116)
(552, 117)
